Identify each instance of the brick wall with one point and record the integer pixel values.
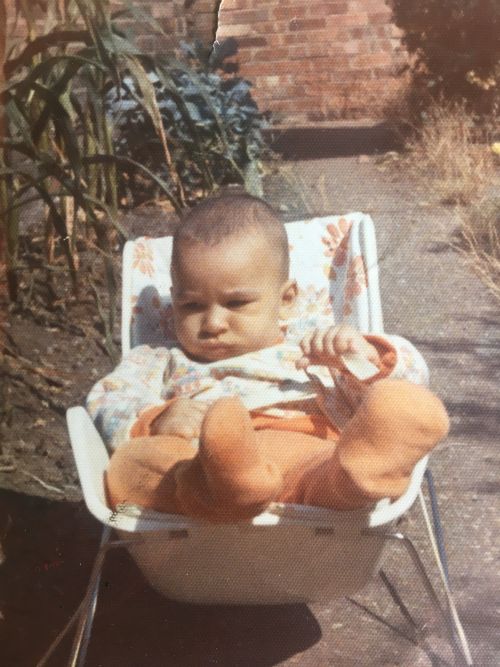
(309, 60)
(316, 60)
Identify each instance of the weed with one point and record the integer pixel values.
(445, 153)
(459, 170)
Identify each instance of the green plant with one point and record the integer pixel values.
(57, 141)
(62, 143)
(214, 125)
(455, 50)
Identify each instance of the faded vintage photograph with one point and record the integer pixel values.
(249, 333)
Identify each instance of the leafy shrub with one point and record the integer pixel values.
(455, 49)
(67, 145)
(212, 122)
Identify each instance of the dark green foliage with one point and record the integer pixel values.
(211, 120)
(455, 45)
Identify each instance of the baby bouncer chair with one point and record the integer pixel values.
(289, 553)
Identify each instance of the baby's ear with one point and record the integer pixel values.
(289, 293)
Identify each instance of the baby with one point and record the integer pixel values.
(233, 420)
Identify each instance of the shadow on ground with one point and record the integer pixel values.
(306, 143)
(41, 586)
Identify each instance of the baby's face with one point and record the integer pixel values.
(228, 299)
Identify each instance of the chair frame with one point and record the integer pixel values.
(92, 457)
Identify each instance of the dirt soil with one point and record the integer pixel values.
(56, 350)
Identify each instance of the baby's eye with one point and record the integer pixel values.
(237, 303)
(191, 305)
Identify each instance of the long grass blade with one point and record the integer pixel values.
(196, 81)
(169, 85)
(150, 105)
(130, 163)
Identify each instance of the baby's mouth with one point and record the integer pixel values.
(217, 349)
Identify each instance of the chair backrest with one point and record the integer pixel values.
(333, 259)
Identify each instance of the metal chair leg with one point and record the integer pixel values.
(84, 627)
(450, 617)
(436, 520)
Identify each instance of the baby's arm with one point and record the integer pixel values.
(136, 384)
(331, 346)
(327, 346)
(393, 355)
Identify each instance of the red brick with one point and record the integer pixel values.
(354, 20)
(300, 104)
(224, 31)
(275, 80)
(298, 37)
(203, 6)
(371, 60)
(327, 8)
(383, 30)
(228, 5)
(384, 45)
(262, 82)
(273, 27)
(313, 89)
(285, 93)
(321, 78)
(257, 40)
(383, 72)
(306, 24)
(289, 3)
(275, 39)
(380, 18)
(318, 49)
(331, 63)
(270, 68)
(269, 55)
(337, 59)
(350, 76)
(249, 16)
(383, 5)
(360, 32)
(289, 12)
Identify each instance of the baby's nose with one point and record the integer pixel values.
(214, 321)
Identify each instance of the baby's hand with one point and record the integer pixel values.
(182, 418)
(325, 347)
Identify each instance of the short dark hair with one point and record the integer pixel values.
(219, 217)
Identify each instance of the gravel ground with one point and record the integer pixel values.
(428, 296)
(432, 298)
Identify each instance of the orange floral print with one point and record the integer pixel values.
(313, 301)
(356, 282)
(143, 259)
(330, 272)
(356, 278)
(338, 241)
